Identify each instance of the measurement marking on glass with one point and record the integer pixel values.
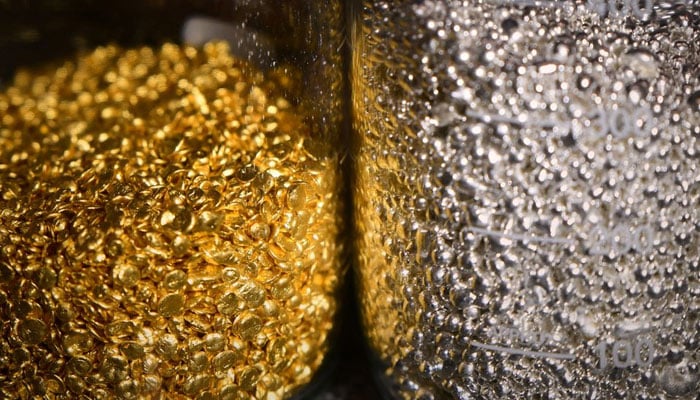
(532, 3)
(627, 353)
(537, 354)
(621, 122)
(516, 121)
(523, 238)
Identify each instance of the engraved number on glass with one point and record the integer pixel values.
(620, 123)
(622, 8)
(626, 353)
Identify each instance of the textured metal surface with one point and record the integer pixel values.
(169, 228)
(528, 197)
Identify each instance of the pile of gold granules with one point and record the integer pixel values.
(169, 228)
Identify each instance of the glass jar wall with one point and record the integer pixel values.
(170, 207)
(527, 197)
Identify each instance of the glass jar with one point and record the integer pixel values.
(170, 197)
(527, 197)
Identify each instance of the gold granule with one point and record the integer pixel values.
(168, 229)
